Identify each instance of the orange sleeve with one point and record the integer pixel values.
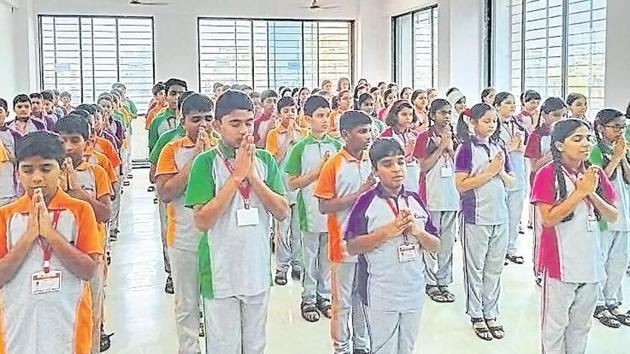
(166, 164)
(89, 238)
(272, 142)
(3, 232)
(112, 155)
(102, 182)
(326, 187)
(107, 166)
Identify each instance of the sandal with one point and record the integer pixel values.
(309, 312)
(497, 331)
(450, 297)
(325, 307)
(623, 318)
(481, 332)
(515, 259)
(281, 278)
(105, 340)
(605, 317)
(436, 294)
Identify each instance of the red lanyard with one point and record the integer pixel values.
(243, 187)
(394, 207)
(48, 249)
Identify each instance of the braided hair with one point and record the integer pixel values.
(604, 117)
(436, 105)
(475, 113)
(551, 104)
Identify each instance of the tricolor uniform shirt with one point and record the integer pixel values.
(538, 144)
(508, 130)
(570, 251)
(162, 122)
(57, 321)
(262, 125)
(94, 180)
(306, 156)
(487, 204)
(278, 139)
(622, 189)
(181, 232)
(412, 178)
(94, 157)
(32, 125)
(437, 185)
(341, 175)
(8, 182)
(165, 138)
(233, 260)
(385, 282)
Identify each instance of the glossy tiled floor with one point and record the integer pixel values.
(141, 314)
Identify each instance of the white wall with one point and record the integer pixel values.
(8, 85)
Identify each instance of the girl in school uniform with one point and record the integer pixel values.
(482, 173)
(570, 199)
(530, 100)
(487, 95)
(405, 94)
(431, 96)
(611, 154)
(399, 119)
(577, 105)
(512, 135)
(419, 102)
(365, 103)
(457, 99)
(435, 152)
(389, 96)
(378, 99)
(343, 85)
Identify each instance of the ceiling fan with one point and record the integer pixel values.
(147, 3)
(316, 6)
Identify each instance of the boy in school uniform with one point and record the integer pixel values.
(159, 103)
(172, 172)
(280, 141)
(38, 111)
(66, 102)
(128, 104)
(388, 228)
(266, 121)
(167, 119)
(8, 140)
(49, 250)
(48, 98)
(23, 121)
(345, 176)
(303, 167)
(233, 190)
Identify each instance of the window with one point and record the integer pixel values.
(415, 48)
(85, 55)
(558, 47)
(268, 54)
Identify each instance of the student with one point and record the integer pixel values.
(167, 119)
(431, 96)
(343, 85)
(345, 176)
(266, 121)
(23, 122)
(8, 141)
(344, 103)
(365, 104)
(125, 117)
(512, 135)
(38, 110)
(529, 116)
(233, 190)
(378, 99)
(303, 95)
(363, 82)
(303, 166)
(570, 199)
(389, 97)
(435, 151)
(128, 104)
(280, 142)
(66, 102)
(482, 173)
(159, 97)
(110, 123)
(577, 105)
(399, 121)
(50, 108)
(611, 154)
(49, 291)
(419, 102)
(358, 91)
(286, 92)
(327, 86)
(394, 87)
(382, 86)
(255, 97)
(387, 228)
(172, 172)
(217, 90)
(405, 94)
(487, 95)
(89, 183)
(457, 100)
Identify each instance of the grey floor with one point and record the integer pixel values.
(141, 314)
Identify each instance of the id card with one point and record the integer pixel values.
(247, 217)
(407, 253)
(446, 171)
(591, 223)
(42, 283)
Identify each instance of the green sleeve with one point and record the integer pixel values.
(273, 179)
(159, 146)
(338, 144)
(133, 108)
(201, 187)
(153, 131)
(294, 161)
(596, 157)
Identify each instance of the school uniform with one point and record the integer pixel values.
(306, 155)
(391, 276)
(439, 192)
(183, 242)
(288, 238)
(341, 175)
(48, 119)
(527, 120)
(412, 177)
(32, 125)
(484, 235)
(262, 125)
(163, 121)
(52, 318)
(234, 261)
(508, 129)
(377, 127)
(8, 183)
(570, 261)
(615, 237)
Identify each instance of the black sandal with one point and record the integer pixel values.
(605, 317)
(497, 331)
(481, 332)
(450, 297)
(515, 259)
(436, 294)
(623, 318)
(309, 312)
(105, 340)
(325, 307)
(281, 278)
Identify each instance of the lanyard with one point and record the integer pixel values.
(48, 249)
(243, 187)
(395, 210)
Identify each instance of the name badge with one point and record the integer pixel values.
(42, 283)
(591, 223)
(446, 171)
(247, 217)
(407, 253)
